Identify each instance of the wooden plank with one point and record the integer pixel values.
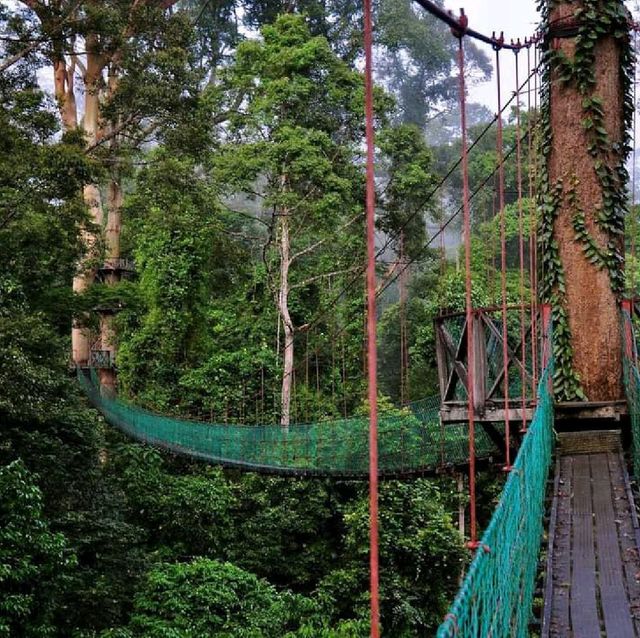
(479, 365)
(451, 412)
(561, 570)
(613, 595)
(441, 360)
(624, 508)
(583, 603)
(587, 410)
(593, 558)
(551, 542)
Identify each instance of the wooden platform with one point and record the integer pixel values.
(594, 584)
(568, 414)
(589, 442)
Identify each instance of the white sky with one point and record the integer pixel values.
(517, 18)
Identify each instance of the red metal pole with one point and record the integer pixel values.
(634, 215)
(536, 39)
(523, 391)
(503, 273)
(372, 363)
(532, 234)
(473, 541)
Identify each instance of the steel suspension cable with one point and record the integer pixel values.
(459, 33)
(523, 390)
(532, 233)
(393, 237)
(372, 366)
(634, 216)
(534, 143)
(439, 233)
(404, 353)
(443, 253)
(451, 218)
(494, 266)
(448, 18)
(503, 272)
(356, 279)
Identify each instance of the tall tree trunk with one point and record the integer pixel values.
(288, 328)
(63, 79)
(92, 84)
(80, 337)
(114, 213)
(585, 139)
(112, 241)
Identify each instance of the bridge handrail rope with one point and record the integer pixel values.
(631, 378)
(497, 593)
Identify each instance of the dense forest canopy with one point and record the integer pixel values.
(217, 145)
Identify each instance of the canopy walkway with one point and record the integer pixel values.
(589, 580)
(592, 570)
(593, 563)
(593, 557)
(496, 595)
(413, 443)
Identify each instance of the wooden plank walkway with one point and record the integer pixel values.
(594, 564)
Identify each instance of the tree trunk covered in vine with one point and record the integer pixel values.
(584, 145)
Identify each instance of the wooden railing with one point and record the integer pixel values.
(490, 376)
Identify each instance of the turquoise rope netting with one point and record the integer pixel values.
(411, 443)
(632, 386)
(497, 593)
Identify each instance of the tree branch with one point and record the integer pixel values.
(310, 280)
(111, 134)
(319, 243)
(79, 63)
(247, 215)
(34, 5)
(389, 276)
(225, 115)
(18, 56)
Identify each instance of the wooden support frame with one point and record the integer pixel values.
(489, 400)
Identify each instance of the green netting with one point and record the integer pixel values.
(413, 442)
(632, 387)
(497, 593)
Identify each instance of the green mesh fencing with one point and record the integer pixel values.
(411, 443)
(497, 593)
(632, 386)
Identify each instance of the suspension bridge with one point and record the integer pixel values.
(549, 387)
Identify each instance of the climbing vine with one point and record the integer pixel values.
(593, 20)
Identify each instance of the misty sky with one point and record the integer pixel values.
(516, 18)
